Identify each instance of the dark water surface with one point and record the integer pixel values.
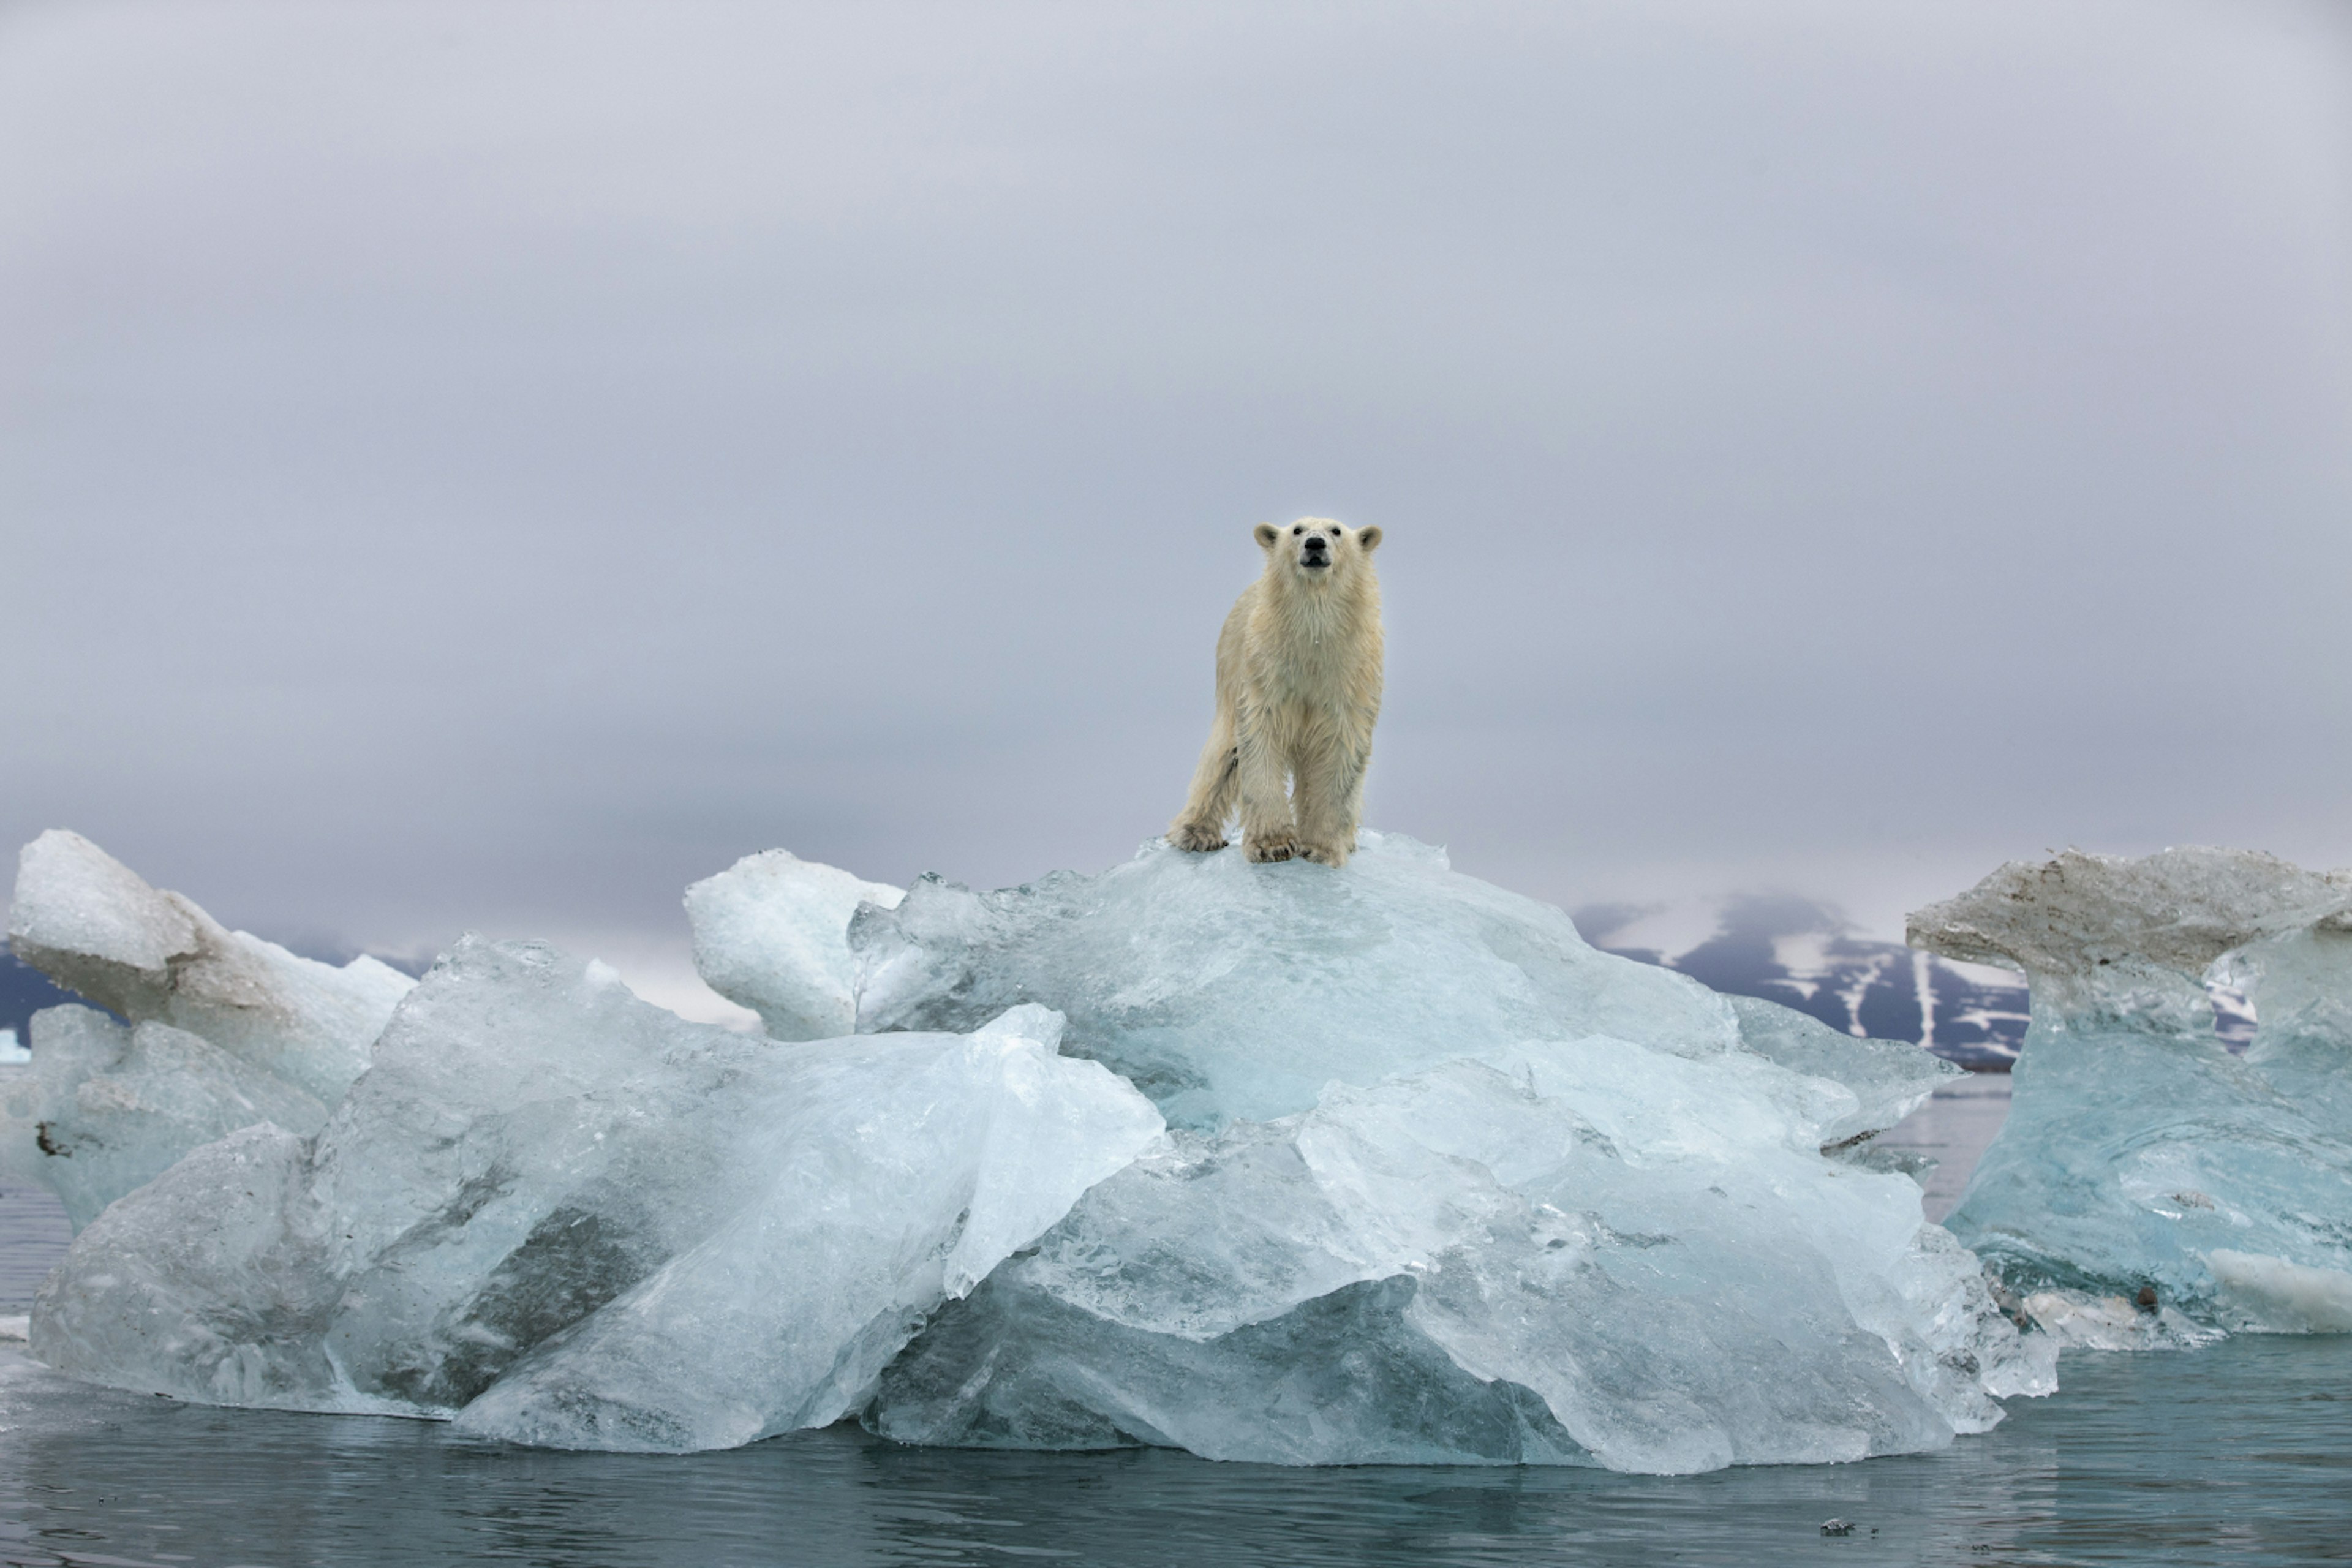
(1952, 1129)
(2241, 1453)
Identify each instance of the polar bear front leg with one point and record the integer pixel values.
(1329, 798)
(1266, 831)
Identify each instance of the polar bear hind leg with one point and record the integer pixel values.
(1200, 826)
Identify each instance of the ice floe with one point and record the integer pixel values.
(2141, 1159)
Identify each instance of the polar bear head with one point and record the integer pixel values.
(1316, 549)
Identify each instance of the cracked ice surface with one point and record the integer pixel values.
(2137, 1151)
(230, 1030)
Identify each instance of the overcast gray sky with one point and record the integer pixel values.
(486, 465)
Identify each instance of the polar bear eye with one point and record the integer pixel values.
(1297, 531)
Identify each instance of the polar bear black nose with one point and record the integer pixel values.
(1316, 542)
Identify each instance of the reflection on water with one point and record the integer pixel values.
(2239, 1452)
(1952, 1129)
(33, 1236)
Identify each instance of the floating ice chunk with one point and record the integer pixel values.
(2137, 1151)
(1590, 1251)
(2077, 1320)
(2273, 1293)
(1225, 990)
(587, 1222)
(907, 1171)
(88, 921)
(771, 933)
(107, 1108)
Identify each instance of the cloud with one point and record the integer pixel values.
(490, 466)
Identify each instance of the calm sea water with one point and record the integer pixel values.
(2238, 1454)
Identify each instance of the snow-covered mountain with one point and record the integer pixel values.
(1801, 953)
(24, 991)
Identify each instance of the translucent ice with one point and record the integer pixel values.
(1451, 1185)
(1579, 1251)
(771, 932)
(89, 922)
(229, 1030)
(105, 1107)
(1226, 991)
(582, 1221)
(2140, 1158)
(1448, 1185)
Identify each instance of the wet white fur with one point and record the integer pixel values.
(1299, 689)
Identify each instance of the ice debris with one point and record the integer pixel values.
(229, 1030)
(2077, 1320)
(1445, 1184)
(106, 1107)
(2139, 1156)
(771, 933)
(574, 1219)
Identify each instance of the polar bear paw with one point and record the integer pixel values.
(1324, 854)
(1271, 848)
(1194, 836)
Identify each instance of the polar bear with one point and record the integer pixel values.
(1298, 689)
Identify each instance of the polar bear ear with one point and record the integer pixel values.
(1266, 534)
(1369, 537)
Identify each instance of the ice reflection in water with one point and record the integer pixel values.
(2240, 1452)
(1952, 1129)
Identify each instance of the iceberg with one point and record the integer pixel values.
(1445, 1185)
(1287, 1163)
(2144, 1173)
(228, 1030)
